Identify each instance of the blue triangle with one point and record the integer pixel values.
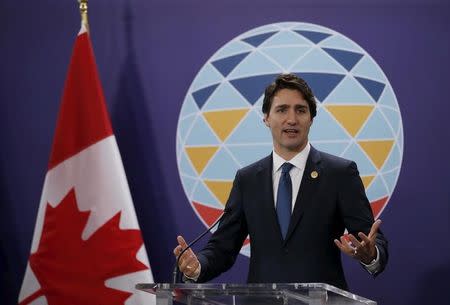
(258, 39)
(393, 161)
(248, 154)
(365, 166)
(321, 83)
(253, 87)
(222, 166)
(373, 87)
(201, 134)
(391, 179)
(315, 37)
(207, 76)
(188, 184)
(346, 58)
(225, 97)
(250, 130)
(318, 61)
(286, 56)
(325, 128)
(376, 127)
(286, 38)
(189, 107)
(349, 91)
(377, 189)
(334, 148)
(255, 63)
(400, 139)
(393, 117)
(179, 147)
(200, 96)
(184, 125)
(388, 98)
(231, 48)
(368, 68)
(227, 64)
(203, 195)
(186, 167)
(341, 42)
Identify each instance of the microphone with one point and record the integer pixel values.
(176, 270)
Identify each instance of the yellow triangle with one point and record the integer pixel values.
(367, 180)
(351, 117)
(221, 189)
(377, 150)
(200, 156)
(223, 122)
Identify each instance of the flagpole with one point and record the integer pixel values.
(84, 13)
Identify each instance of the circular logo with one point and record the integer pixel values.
(220, 127)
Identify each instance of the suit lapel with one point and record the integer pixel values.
(265, 193)
(307, 190)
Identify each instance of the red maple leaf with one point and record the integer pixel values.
(73, 271)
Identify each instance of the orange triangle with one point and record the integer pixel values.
(351, 117)
(200, 156)
(221, 189)
(223, 122)
(367, 180)
(377, 150)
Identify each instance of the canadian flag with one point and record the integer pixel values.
(87, 246)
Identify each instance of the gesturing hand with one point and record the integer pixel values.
(188, 262)
(364, 250)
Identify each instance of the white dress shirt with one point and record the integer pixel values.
(296, 173)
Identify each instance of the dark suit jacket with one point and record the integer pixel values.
(325, 206)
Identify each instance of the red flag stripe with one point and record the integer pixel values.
(82, 108)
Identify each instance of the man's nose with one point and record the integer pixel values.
(291, 117)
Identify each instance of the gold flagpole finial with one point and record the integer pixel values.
(84, 13)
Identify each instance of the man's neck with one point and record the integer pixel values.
(289, 154)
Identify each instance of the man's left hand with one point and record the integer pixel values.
(364, 250)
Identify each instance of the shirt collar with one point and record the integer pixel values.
(299, 160)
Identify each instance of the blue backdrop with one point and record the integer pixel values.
(148, 53)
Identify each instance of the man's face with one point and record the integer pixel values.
(289, 121)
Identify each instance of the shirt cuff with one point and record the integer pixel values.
(374, 265)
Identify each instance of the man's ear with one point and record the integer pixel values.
(266, 121)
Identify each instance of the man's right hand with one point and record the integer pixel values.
(188, 263)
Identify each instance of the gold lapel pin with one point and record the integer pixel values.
(314, 174)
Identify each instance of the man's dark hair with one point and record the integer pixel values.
(293, 82)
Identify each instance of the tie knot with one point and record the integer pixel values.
(286, 167)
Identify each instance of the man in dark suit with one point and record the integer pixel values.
(294, 204)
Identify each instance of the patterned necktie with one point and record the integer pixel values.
(284, 198)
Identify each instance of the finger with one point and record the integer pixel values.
(346, 247)
(182, 242)
(364, 238)
(354, 241)
(177, 250)
(374, 228)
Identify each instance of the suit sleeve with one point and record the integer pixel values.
(356, 211)
(223, 247)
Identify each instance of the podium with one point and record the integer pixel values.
(252, 294)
